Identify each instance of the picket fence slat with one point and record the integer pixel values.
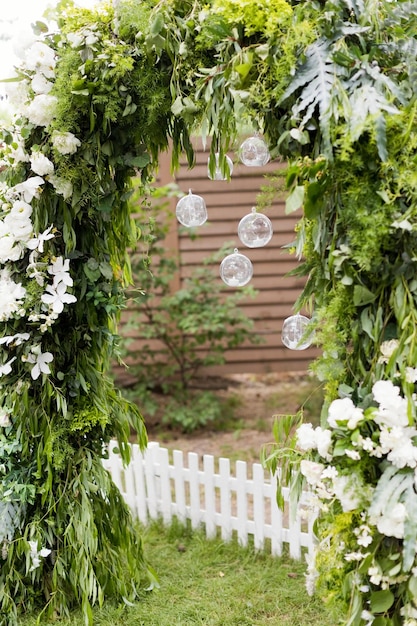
(240, 503)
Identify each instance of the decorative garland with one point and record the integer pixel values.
(331, 85)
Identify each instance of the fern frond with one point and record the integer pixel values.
(319, 78)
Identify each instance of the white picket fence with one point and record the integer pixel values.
(209, 495)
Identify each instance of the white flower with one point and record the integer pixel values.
(306, 437)
(312, 574)
(57, 297)
(36, 555)
(20, 229)
(40, 164)
(312, 471)
(40, 84)
(18, 95)
(399, 445)
(387, 349)
(16, 152)
(5, 418)
(62, 186)
(375, 575)
(40, 57)
(40, 362)
(368, 617)
(348, 491)
(6, 368)
(355, 556)
(16, 340)
(30, 188)
(41, 111)
(353, 454)
(65, 143)
(403, 225)
(11, 297)
(37, 242)
(392, 407)
(324, 441)
(60, 271)
(20, 210)
(343, 410)
(329, 472)
(391, 523)
(411, 374)
(10, 250)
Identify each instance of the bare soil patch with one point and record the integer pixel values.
(251, 402)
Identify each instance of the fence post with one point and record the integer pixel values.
(179, 485)
(276, 520)
(138, 466)
(166, 495)
(225, 504)
(242, 502)
(152, 475)
(193, 474)
(209, 496)
(258, 505)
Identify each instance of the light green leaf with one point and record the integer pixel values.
(381, 601)
(295, 200)
(362, 295)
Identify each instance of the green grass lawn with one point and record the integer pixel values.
(213, 584)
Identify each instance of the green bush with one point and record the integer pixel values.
(193, 326)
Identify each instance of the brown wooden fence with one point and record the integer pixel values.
(227, 202)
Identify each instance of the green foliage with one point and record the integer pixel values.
(183, 330)
(213, 582)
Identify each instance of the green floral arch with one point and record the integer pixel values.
(331, 85)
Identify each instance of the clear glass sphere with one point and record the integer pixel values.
(255, 230)
(254, 152)
(191, 210)
(236, 269)
(293, 330)
(218, 174)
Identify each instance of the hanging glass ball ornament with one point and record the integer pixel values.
(191, 210)
(255, 229)
(293, 330)
(254, 152)
(218, 174)
(236, 269)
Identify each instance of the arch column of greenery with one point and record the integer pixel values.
(331, 84)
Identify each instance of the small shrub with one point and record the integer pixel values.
(193, 327)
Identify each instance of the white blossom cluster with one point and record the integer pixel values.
(34, 106)
(340, 452)
(393, 439)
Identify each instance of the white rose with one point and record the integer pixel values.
(324, 441)
(340, 410)
(40, 84)
(61, 186)
(65, 143)
(312, 471)
(21, 230)
(306, 437)
(391, 523)
(40, 57)
(10, 250)
(385, 392)
(346, 489)
(41, 111)
(40, 164)
(21, 210)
